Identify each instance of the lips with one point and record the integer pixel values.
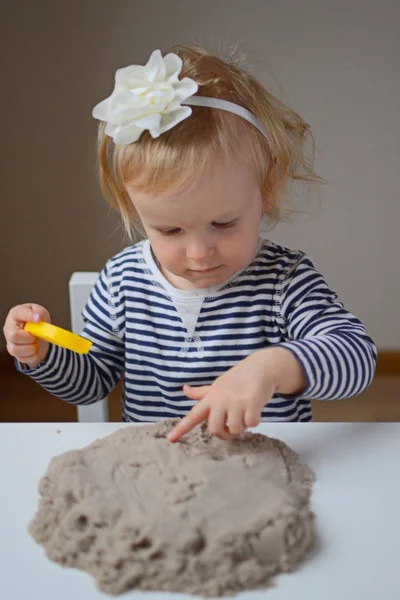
(209, 270)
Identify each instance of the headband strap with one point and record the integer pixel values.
(227, 106)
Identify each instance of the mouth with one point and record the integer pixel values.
(205, 271)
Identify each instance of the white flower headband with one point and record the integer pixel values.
(151, 98)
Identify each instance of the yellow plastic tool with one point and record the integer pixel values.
(58, 336)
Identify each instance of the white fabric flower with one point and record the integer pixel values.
(146, 98)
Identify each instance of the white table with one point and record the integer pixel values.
(356, 499)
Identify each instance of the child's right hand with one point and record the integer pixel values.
(20, 344)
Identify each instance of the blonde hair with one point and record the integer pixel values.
(175, 160)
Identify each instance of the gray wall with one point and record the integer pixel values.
(336, 63)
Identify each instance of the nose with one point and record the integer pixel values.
(200, 250)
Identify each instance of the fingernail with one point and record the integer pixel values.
(170, 436)
(35, 317)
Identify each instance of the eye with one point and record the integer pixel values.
(225, 225)
(168, 232)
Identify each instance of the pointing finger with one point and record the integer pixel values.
(198, 414)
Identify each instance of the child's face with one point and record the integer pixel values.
(202, 237)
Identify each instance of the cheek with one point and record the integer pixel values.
(241, 244)
(167, 251)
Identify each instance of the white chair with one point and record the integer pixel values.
(80, 286)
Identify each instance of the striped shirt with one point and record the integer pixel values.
(157, 337)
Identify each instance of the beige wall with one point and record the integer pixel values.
(337, 64)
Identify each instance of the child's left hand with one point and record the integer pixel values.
(233, 402)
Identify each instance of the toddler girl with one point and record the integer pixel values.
(203, 319)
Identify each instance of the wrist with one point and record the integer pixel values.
(283, 368)
(40, 358)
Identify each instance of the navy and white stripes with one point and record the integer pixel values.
(159, 338)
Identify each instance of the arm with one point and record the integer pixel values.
(84, 379)
(336, 355)
(327, 355)
(236, 398)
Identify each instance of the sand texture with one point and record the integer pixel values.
(202, 516)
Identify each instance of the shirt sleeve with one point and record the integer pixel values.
(337, 356)
(87, 378)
